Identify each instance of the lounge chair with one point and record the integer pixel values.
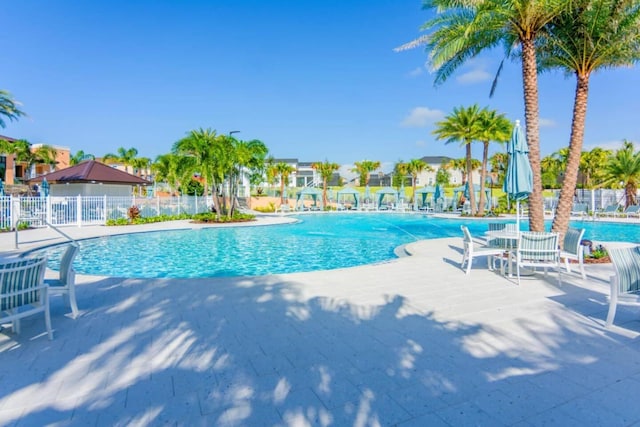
(580, 209)
(65, 284)
(536, 250)
(626, 281)
(23, 292)
(610, 210)
(573, 249)
(473, 249)
(632, 210)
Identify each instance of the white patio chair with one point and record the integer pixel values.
(473, 250)
(626, 281)
(537, 250)
(65, 284)
(23, 292)
(573, 249)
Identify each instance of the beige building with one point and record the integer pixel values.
(13, 171)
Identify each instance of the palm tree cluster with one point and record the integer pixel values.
(466, 125)
(577, 36)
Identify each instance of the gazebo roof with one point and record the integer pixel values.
(91, 171)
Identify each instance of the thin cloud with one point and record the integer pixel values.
(547, 123)
(421, 117)
(474, 76)
(606, 145)
(416, 72)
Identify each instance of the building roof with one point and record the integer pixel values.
(436, 160)
(91, 171)
(6, 138)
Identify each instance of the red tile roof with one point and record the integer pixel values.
(91, 171)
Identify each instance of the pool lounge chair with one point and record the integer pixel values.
(610, 210)
(65, 284)
(580, 209)
(632, 211)
(626, 281)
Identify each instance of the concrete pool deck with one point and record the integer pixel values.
(409, 342)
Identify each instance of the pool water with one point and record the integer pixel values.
(316, 242)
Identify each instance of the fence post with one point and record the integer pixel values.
(195, 204)
(104, 209)
(79, 210)
(48, 209)
(157, 205)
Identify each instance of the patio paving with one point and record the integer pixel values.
(409, 342)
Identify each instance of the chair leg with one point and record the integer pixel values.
(47, 316)
(72, 301)
(613, 301)
(567, 265)
(581, 264)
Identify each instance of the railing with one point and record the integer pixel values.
(90, 210)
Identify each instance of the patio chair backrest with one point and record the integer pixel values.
(572, 240)
(21, 282)
(632, 209)
(466, 234)
(538, 246)
(626, 262)
(67, 273)
(580, 207)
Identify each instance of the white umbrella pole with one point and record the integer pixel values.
(518, 216)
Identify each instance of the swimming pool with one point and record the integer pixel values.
(316, 242)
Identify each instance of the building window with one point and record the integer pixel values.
(3, 167)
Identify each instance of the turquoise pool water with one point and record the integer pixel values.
(317, 242)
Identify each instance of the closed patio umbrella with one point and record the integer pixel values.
(518, 182)
(44, 190)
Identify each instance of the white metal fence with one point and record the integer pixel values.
(86, 210)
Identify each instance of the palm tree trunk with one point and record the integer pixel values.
(281, 190)
(472, 195)
(483, 177)
(565, 202)
(532, 119)
(324, 193)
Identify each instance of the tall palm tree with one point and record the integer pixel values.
(624, 167)
(462, 126)
(80, 156)
(364, 169)
(44, 154)
(493, 127)
(9, 108)
(248, 160)
(551, 170)
(284, 171)
(591, 165)
(463, 29)
(198, 144)
(499, 166)
(593, 35)
(326, 170)
(415, 167)
(460, 165)
(123, 155)
(166, 169)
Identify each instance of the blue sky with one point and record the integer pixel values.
(313, 80)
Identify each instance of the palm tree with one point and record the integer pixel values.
(44, 154)
(284, 170)
(124, 156)
(8, 108)
(551, 170)
(460, 165)
(462, 126)
(415, 167)
(593, 35)
(364, 169)
(79, 157)
(165, 169)
(624, 167)
(248, 160)
(326, 171)
(493, 127)
(499, 166)
(198, 144)
(463, 29)
(591, 165)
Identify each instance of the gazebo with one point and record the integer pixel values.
(424, 192)
(464, 189)
(386, 192)
(312, 193)
(346, 193)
